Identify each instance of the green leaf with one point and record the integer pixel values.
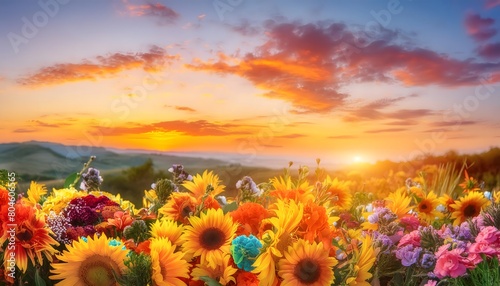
(209, 281)
(230, 207)
(70, 180)
(38, 279)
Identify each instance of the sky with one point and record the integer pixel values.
(344, 81)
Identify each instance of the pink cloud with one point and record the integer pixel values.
(490, 51)
(479, 28)
(308, 64)
(491, 4)
(162, 13)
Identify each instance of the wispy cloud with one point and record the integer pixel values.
(153, 60)
(191, 128)
(181, 108)
(374, 110)
(454, 123)
(386, 130)
(163, 14)
(481, 29)
(291, 136)
(24, 130)
(308, 64)
(342, 137)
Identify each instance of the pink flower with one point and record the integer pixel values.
(412, 238)
(431, 283)
(489, 234)
(476, 249)
(450, 263)
(410, 222)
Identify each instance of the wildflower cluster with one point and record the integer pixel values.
(286, 231)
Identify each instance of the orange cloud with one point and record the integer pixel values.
(308, 64)
(102, 66)
(190, 128)
(182, 108)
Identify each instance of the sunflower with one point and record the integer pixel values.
(168, 266)
(209, 236)
(339, 192)
(285, 189)
(35, 193)
(447, 201)
(168, 229)
(199, 185)
(223, 272)
(90, 261)
(468, 207)
(426, 208)
(179, 207)
(364, 258)
(469, 184)
(306, 264)
(277, 239)
(32, 241)
(399, 203)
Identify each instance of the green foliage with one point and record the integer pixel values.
(230, 207)
(138, 231)
(492, 217)
(164, 188)
(139, 270)
(133, 181)
(209, 281)
(4, 177)
(486, 273)
(70, 180)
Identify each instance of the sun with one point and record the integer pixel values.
(358, 159)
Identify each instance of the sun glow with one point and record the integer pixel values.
(357, 159)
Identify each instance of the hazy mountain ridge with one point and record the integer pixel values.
(46, 161)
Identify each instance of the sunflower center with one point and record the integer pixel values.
(212, 238)
(24, 235)
(470, 211)
(423, 206)
(307, 271)
(98, 270)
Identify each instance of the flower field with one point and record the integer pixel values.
(305, 229)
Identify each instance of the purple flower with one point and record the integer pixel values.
(179, 175)
(91, 180)
(428, 260)
(408, 254)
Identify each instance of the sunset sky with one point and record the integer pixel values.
(341, 80)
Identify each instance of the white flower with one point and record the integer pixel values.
(222, 200)
(369, 208)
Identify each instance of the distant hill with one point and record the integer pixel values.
(43, 161)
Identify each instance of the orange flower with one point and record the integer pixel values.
(121, 220)
(179, 207)
(244, 278)
(32, 239)
(315, 224)
(249, 216)
(469, 184)
(210, 203)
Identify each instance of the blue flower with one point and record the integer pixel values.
(244, 250)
